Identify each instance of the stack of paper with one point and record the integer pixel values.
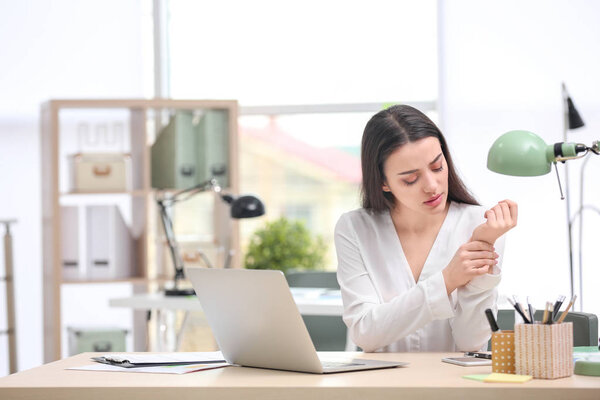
(162, 363)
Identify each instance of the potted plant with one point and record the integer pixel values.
(285, 245)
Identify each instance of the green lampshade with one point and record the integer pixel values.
(520, 153)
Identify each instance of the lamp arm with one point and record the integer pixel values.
(163, 203)
(170, 235)
(211, 184)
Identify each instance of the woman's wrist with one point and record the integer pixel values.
(489, 238)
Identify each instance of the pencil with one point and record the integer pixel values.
(545, 318)
(564, 314)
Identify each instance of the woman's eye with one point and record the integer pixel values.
(438, 168)
(408, 183)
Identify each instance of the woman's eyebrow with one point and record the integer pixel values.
(436, 159)
(412, 171)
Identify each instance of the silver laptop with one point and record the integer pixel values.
(256, 322)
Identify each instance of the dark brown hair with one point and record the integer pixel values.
(384, 133)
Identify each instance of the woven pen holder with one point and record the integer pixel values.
(544, 351)
(503, 352)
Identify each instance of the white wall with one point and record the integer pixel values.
(502, 65)
(52, 49)
(502, 68)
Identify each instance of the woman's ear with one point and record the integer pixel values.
(385, 187)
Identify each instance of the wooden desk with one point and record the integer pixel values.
(425, 378)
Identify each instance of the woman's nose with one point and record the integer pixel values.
(429, 183)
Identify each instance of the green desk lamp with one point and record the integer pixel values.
(523, 153)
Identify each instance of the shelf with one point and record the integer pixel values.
(135, 281)
(84, 194)
(140, 121)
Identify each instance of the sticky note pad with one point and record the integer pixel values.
(507, 378)
(477, 377)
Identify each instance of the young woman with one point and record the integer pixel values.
(419, 262)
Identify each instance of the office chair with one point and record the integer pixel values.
(327, 332)
(585, 325)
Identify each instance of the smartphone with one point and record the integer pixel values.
(467, 361)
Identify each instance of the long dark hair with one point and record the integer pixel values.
(384, 133)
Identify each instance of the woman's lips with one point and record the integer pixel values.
(434, 201)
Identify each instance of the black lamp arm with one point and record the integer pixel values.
(163, 203)
(211, 184)
(170, 235)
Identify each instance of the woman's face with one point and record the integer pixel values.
(417, 175)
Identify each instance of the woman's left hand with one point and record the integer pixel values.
(500, 219)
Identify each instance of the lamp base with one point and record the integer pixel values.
(180, 292)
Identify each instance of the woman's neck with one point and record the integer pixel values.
(409, 221)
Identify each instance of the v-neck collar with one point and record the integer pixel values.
(435, 248)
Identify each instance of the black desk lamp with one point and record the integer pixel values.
(241, 207)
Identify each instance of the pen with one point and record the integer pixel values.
(478, 355)
(545, 318)
(564, 314)
(518, 308)
(490, 317)
(557, 305)
(530, 310)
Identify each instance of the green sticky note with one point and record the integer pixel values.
(507, 378)
(477, 377)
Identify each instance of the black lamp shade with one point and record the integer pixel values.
(575, 120)
(247, 207)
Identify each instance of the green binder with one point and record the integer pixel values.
(191, 149)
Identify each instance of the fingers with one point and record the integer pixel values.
(481, 267)
(483, 262)
(476, 255)
(490, 215)
(514, 210)
(477, 245)
(505, 213)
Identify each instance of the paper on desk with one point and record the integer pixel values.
(167, 369)
(164, 358)
(499, 378)
(476, 377)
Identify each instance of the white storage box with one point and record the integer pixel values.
(110, 247)
(100, 172)
(70, 243)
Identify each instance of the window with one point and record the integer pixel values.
(339, 61)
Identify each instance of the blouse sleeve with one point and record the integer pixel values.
(371, 323)
(470, 328)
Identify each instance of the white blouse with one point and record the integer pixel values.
(387, 311)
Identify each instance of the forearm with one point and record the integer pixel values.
(487, 237)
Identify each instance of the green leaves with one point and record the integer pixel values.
(283, 244)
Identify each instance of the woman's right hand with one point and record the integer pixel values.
(470, 260)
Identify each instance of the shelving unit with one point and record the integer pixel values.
(145, 119)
